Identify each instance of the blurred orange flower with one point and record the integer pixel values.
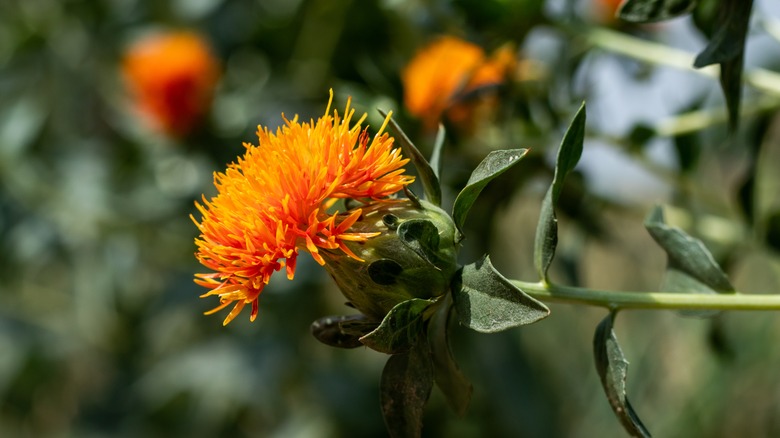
(606, 10)
(172, 78)
(274, 202)
(442, 73)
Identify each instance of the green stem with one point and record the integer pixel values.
(697, 120)
(656, 53)
(648, 300)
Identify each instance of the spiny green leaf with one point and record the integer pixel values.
(406, 384)
(496, 163)
(342, 331)
(487, 302)
(430, 181)
(400, 329)
(688, 256)
(612, 367)
(447, 375)
(727, 48)
(648, 11)
(547, 229)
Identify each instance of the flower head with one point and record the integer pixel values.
(172, 78)
(274, 202)
(449, 68)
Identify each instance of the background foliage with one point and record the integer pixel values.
(101, 331)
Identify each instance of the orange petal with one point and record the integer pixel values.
(233, 313)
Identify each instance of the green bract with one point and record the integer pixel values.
(414, 256)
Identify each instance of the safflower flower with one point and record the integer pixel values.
(443, 72)
(274, 201)
(171, 77)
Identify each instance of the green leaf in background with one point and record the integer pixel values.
(20, 120)
(727, 48)
(691, 267)
(342, 331)
(428, 178)
(406, 384)
(612, 367)
(400, 329)
(649, 11)
(496, 163)
(487, 302)
(547, 229)
(438, 145)
(447, 375)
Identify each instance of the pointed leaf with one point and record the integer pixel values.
(406, 384)
(570, 151)
(727, 48)
(400, 329)
(728, 42)
(438, 145)
(428, 178)
(569, 155)
(731, 84)
(612, 367)
(648, 11)
(342, 331)
(488, 303)
(496, 163)
(546, 239)
(447, 375)
(691, 267)
(688, 257)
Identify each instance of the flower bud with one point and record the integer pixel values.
(414, 256)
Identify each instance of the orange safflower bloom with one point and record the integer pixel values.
(273, 202)
(445, 70)
(172, 78)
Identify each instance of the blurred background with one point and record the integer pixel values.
(115, 114)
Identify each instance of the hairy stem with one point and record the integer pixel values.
(648, 300)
